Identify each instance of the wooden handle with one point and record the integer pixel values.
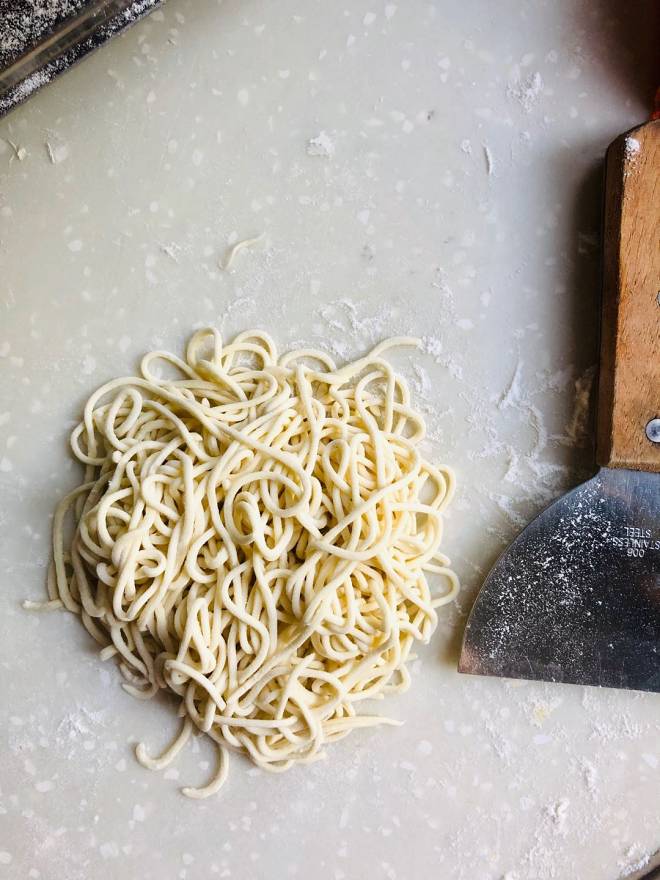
(629, 384)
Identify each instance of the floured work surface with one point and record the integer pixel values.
(434, 175)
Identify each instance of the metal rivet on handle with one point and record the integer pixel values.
(653, 430)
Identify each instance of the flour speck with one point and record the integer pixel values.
(321, 145)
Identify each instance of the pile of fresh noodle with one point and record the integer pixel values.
(255, 536)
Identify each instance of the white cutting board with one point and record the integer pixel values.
(455, 198)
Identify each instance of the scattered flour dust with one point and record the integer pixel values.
(30, 84)
(344, 319)
(81, 723)
(527, 469)
(526, 91)
(347, 323)
(540, 860)
(422, 383)
(631, 147)
(634, 859)
(622, 726)
(590, 777)
(541, 710)
(321, 145)
(432, 346)
(242, 305)
(631, 150)
(558, 815)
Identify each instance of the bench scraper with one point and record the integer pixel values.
(576, 597)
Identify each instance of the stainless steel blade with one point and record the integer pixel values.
(576, 597)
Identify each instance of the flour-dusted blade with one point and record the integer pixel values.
(576, 597)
